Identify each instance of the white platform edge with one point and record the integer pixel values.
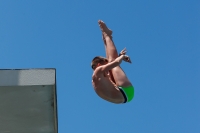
(23, 77)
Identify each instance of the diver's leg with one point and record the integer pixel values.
(111, 52)
(118, 74)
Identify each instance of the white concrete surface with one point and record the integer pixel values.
(28, 101)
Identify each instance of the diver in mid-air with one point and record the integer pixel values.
(108, 79)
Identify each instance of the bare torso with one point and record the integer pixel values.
(106, 88)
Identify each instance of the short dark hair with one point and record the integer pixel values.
(96, 60)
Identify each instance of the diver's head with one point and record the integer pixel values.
(98, 61)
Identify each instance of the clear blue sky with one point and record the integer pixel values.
(162, 38)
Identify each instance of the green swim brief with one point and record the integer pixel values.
(127, 92)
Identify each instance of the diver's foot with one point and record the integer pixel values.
(104, 29)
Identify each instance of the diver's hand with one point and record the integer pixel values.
(123, 52)
(126, 57)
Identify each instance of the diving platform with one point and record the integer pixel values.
(28, 101)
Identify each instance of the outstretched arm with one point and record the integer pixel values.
(110, 65)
